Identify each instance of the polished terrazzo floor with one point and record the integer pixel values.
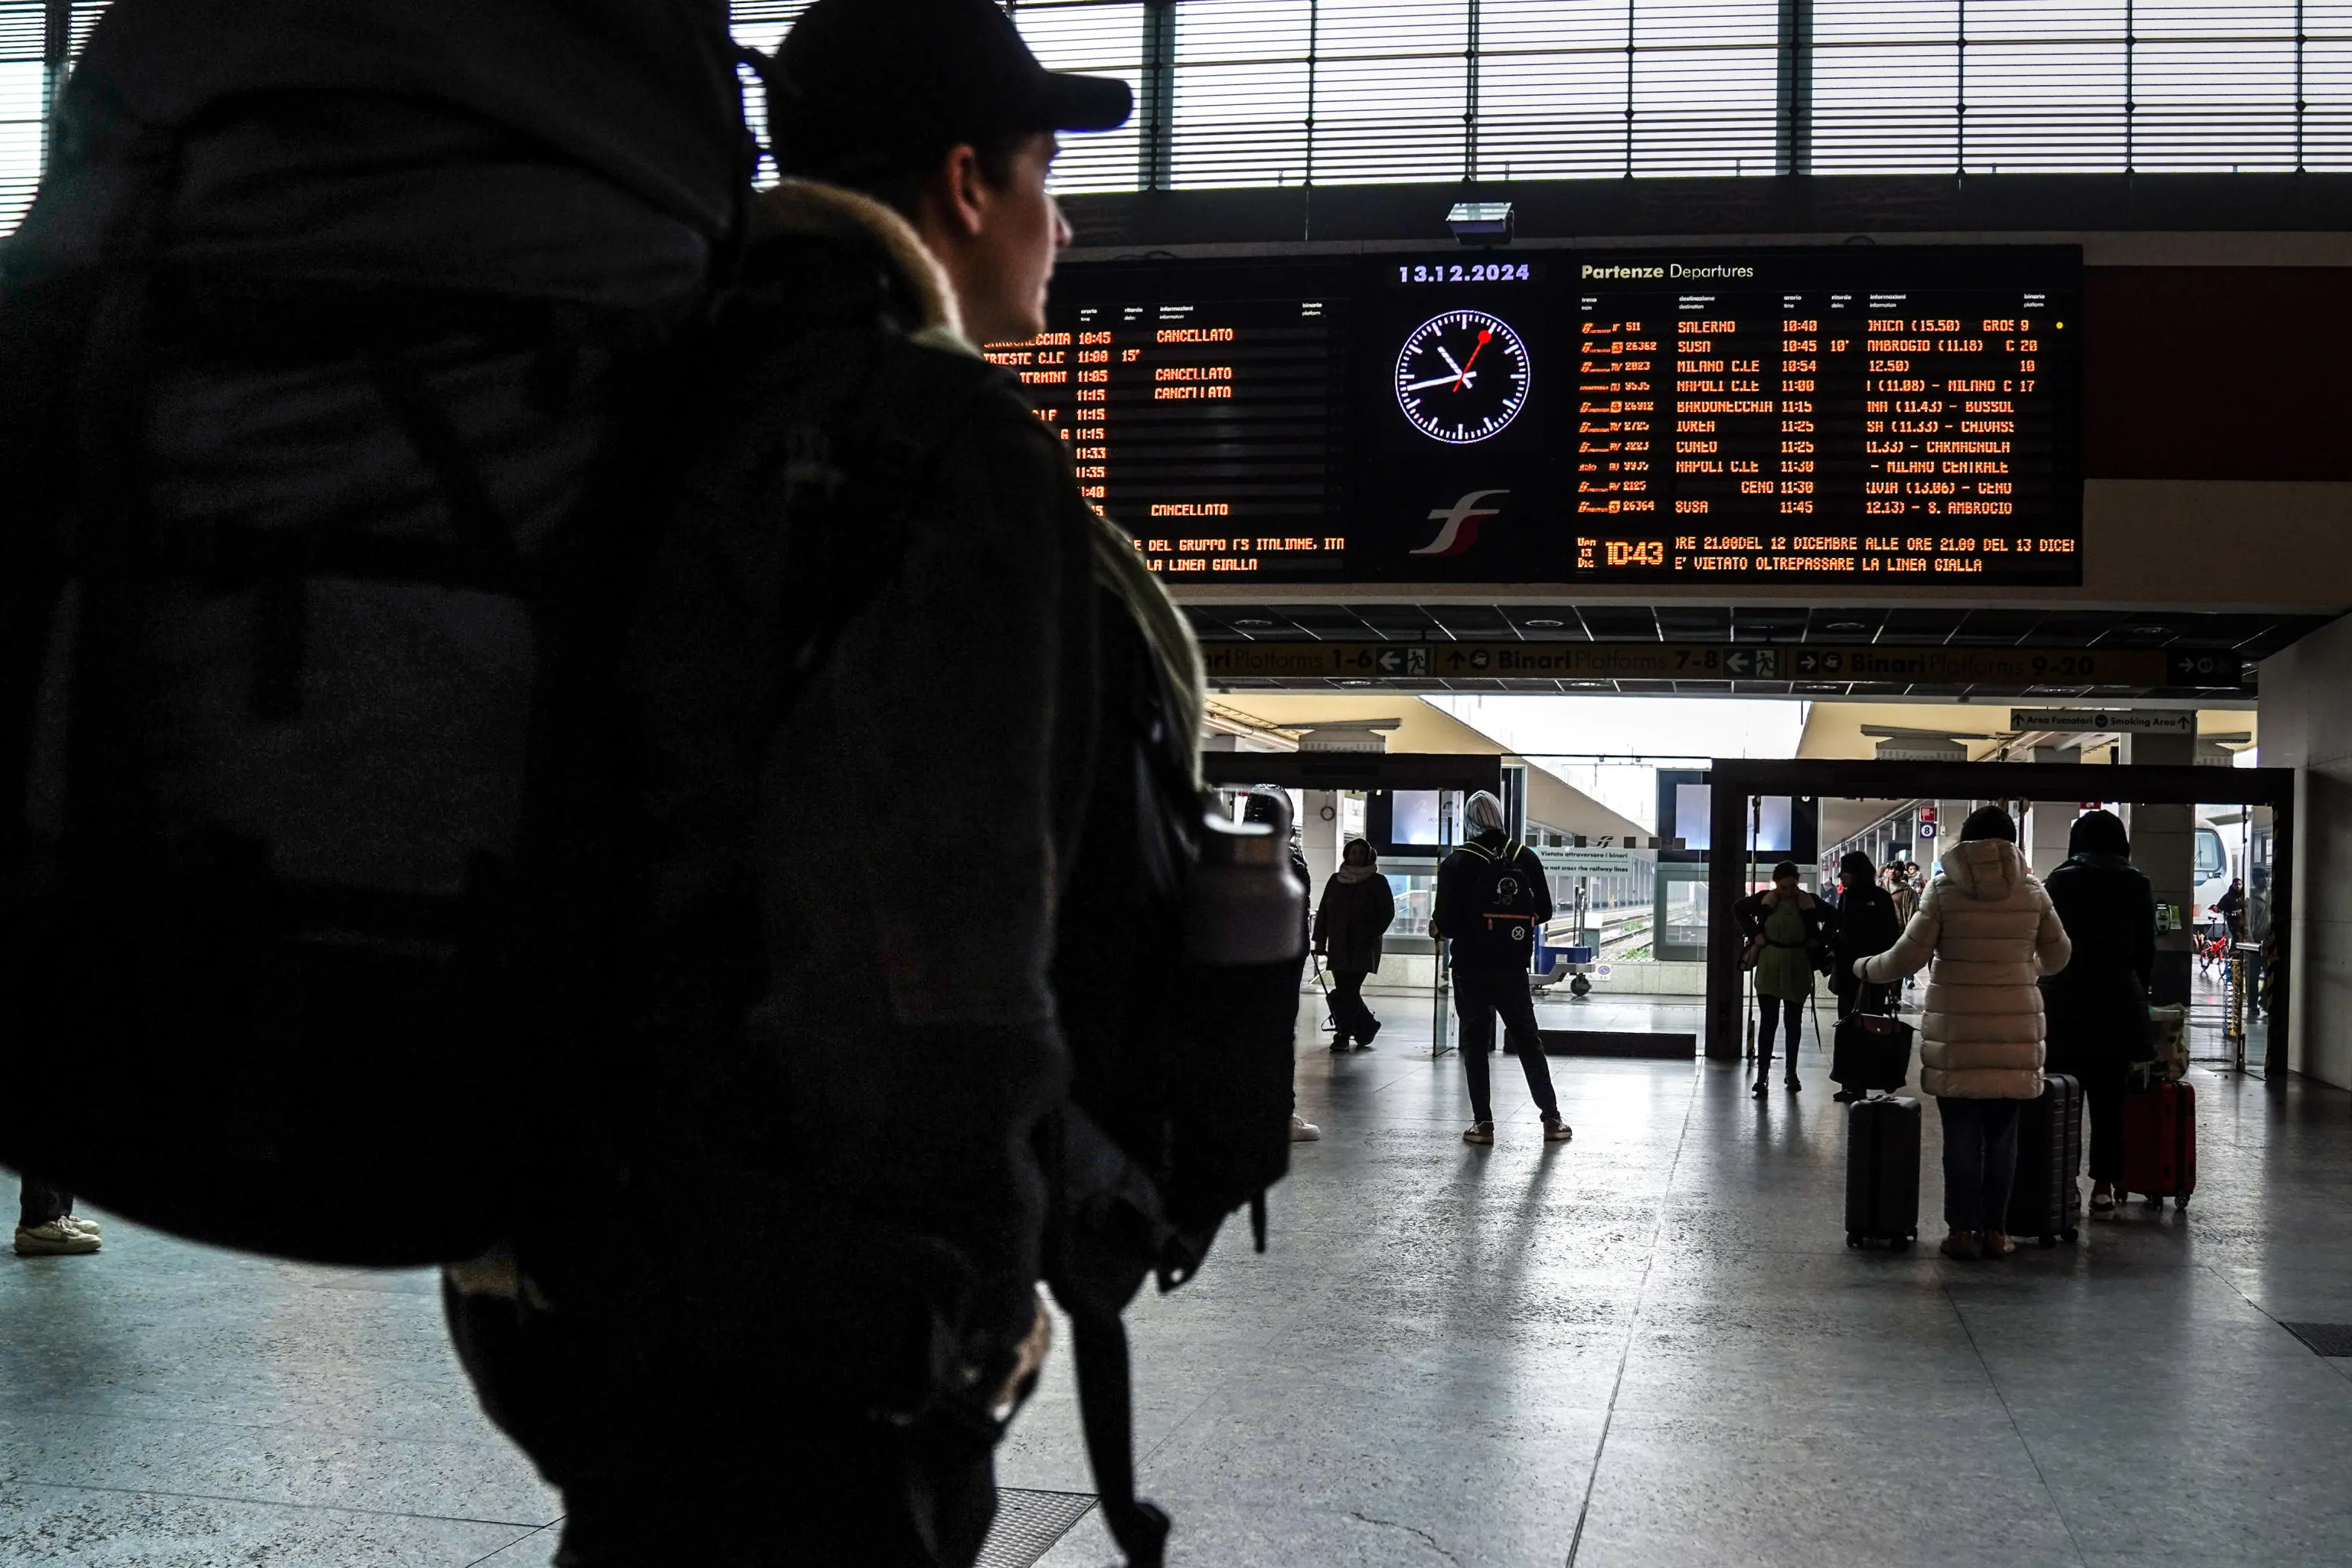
(1647, 1347)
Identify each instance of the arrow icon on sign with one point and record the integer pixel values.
(1391, 661)
(1738, 661)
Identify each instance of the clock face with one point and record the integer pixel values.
(1461, 377)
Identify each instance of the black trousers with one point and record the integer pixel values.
(1979, 1161)
(2103, 1076)
(39, 1202)
(1354, 1020)
(1478, 996)
(659, 1472)
(1770, 1009)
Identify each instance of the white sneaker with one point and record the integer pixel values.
(1303, 1130)
(76, 1222)
(53, 1240)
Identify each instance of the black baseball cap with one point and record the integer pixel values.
(875, 86)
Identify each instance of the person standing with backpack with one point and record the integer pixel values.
(1492, 901)
(875, 1130)
(1357, 908)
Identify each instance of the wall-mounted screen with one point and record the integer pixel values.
(1848, 414)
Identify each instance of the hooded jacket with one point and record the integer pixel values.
(2097, 1004)
(1992, 932)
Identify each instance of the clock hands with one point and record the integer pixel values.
(1457, 379)
(1485, 336)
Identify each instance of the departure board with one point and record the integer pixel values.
(1542, 416)
(1888, 416)
(1213, 426)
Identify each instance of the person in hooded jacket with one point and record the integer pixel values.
(2097, 1005)
(1268, 804)
(1788, 932)
(1992, 932)
(1356, 907)
(1490, 974)
(1867, 925)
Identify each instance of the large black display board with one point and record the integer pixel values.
(1857, 413)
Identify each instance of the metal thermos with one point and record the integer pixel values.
(1246, 905)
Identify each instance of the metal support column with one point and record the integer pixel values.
(1795, 109)
(1156, 108)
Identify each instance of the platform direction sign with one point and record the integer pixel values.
(1811, 663)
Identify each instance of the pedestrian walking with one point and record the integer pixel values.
(1356, 907)
(1988, 925)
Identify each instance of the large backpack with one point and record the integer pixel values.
(1504, 902)
(1182, 1056)
(305, 595)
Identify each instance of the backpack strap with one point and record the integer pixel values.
(1107, 1411)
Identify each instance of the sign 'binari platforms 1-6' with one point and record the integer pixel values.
(1852, 414)
(1884, 414)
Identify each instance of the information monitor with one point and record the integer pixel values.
(1848, 414)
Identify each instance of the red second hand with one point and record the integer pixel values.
(1461, 380)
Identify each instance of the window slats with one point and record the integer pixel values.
(1273, 92)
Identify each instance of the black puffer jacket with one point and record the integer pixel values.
(2097, 1005)
(1865, 926)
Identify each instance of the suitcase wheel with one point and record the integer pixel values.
(1852, 1239)
(2071, 1237)
(2181, 1202)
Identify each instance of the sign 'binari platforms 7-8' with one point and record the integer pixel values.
(1855, 413)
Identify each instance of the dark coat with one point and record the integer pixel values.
(1454, 915)
(2097, 1005)
(1349, 920)
(1867, 925)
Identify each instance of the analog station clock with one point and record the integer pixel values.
(1461, 377)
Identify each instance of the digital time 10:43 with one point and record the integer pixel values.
(1464, 272)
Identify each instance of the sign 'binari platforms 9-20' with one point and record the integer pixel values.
(1855, 413)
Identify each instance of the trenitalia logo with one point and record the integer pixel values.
(1461, 520)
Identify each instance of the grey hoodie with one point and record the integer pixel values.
(1990, 929)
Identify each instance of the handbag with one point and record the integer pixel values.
(1872, 1051)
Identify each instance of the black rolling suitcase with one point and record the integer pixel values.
(1882, 1170)
(2046, 1203)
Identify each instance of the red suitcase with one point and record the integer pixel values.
(2160, 1142)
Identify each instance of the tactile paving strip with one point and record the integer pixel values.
(2326, 1338)
(1029, 1524)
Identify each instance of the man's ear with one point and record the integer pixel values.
(963, 192)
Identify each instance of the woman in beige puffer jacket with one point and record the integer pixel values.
(1994, 934)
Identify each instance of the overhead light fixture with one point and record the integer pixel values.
(1353, 681)
(1255, 622)
(1481, 223)
(2152, 631)
(1545, 622)
(1848, 627)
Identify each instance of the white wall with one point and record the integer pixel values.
(2306, 716)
